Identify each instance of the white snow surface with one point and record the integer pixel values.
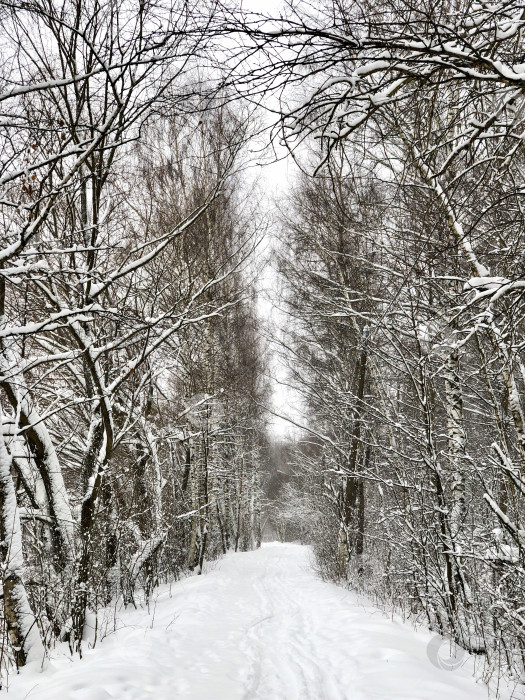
(257, 625)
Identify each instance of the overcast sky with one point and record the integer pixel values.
(275, 179)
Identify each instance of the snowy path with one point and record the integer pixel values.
(259, 625)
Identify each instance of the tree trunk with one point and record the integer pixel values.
(348, 535)
(21, 623)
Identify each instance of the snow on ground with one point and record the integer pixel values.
(259, 625)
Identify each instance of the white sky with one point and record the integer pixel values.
(275, 179)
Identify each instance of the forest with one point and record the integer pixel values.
(137, 366)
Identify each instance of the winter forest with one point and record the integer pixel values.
(262, 278)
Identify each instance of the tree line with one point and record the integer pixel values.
(402, 255)
(130, 361)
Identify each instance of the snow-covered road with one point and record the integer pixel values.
(258, 625)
